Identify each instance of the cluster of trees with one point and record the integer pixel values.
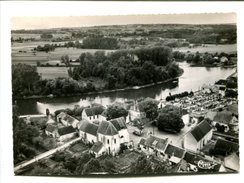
(145, 166)
(23, 135)
(24, 79)
(46, 36)
(27, 82)
(150, 107)
(118, 70)
(73, 165)
(47, 48)
(169, 119)
(100, 43)
(206, 58)
(178, 95)
(116, 111)
(127, 68)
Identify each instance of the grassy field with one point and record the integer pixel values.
(52, 72)
(228, 48)
(28, 57)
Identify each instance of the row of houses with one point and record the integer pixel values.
(103, 136)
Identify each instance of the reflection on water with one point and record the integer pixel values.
(192, 79)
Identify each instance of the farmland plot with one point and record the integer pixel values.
(52, 72)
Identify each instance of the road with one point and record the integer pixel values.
(45, 154)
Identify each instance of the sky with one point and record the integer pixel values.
(84, 21)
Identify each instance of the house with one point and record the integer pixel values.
(119, 124)
(66, 133)
(223, 118)
(67, 120)
(51, 130)
(88, 131)
(111, 134)
(225, 147)
(95, 113)
(198, 137)
(174, 154)
(153, 144)
(97, 149)
(232, 162)
(198, 163)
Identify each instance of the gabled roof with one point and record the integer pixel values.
(142, 141)
(223, 117)
(88, 127)
(67, 118)
(51, 128)
(232, 162)
(119, 123)
(200, 130)
(97, 110)
(174, 151)
(66, 130)
(156, 142)
(107, 128)
(226, 146)
(97, 147)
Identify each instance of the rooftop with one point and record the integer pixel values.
(66, 130)
(156, 142)
(200, 130)
(88, 127)
(107, 128)
(97, 110)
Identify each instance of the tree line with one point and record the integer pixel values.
(127, 68)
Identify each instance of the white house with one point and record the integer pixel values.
(153, 144)
(109, 136)
(88, 131)
(174, 154)
(119, 124)
(66, 133)
(95, 113)
(67, 120)
(106, 137)
(97, 149)
(198, 137)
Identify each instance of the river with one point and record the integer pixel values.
(192, 79)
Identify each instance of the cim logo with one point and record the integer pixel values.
(206, 165)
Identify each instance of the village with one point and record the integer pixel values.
(208, 142)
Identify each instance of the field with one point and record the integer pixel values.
(52, 72)
(38, 36)
(29, 57)
(228, 48)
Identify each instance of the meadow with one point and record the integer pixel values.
(52, 72)
(29, 57)
(227, 48)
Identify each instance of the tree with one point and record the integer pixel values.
(65, 60)
(116, 111)
(24, 78)
(169, 119)
(142, 166)
(92, 166)
(150, 107)
(81, 163)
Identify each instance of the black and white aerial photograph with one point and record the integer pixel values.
(125, 95)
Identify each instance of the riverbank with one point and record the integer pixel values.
(176, 79)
